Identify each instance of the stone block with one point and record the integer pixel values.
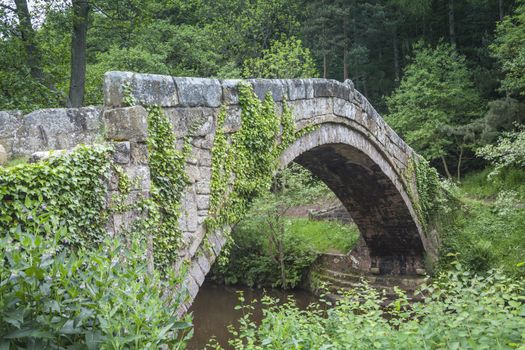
(343, 108)
(43, 155)
(191, 286)
(233, 121)
(204, 158)
(203, 142)
(197, 121)
(114, 83)
(230, 92)
(206, 127)
(10, 122)
(296, 89)
(139, 153)
(192, 171)
(122, 152)
(205, 173)
(275, 86)
(324, 87)
(126, 124)
(3, 155)
(189, 210)
(203, 262)
(85, 118)
(139, 176)
(196, 272)
(309, 88)
(154, 89)
(203, 202)
(202, 187)
(305, 109)
(54, 128)
(199, 92)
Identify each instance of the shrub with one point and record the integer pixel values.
(461, 311)
(93, 299)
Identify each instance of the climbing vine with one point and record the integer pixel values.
(243, 164)
(62, 192)
(168, 181)
(433, 197)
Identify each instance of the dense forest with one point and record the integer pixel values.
(457, 65)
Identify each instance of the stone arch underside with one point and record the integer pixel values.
(370, 190)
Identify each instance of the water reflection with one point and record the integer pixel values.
(213, 310)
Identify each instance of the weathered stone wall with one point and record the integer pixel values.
(351, 148)
(49, 129)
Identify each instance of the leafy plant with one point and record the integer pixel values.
(286, 58)
(508, 152)
(460, 311)
(51, 297)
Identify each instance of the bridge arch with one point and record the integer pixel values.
(347, 145)
(370, 189)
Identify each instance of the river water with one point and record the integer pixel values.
(214, 309)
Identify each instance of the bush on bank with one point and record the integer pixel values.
(461, 311)
(101, 298)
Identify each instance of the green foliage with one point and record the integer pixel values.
(502, 116)
(62, 191)
(488, 232)
(273, 248)
(286, 58)
(435, 102)
(431, 193)
(324, 236)
(168, 181)
(478, 186)
(248, 163)
(134, 59)
(508, 152)
(253, 263)
(509, 49)
(91, 299)
(460, 311)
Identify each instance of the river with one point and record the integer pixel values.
(214, 309)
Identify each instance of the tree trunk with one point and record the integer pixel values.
(445, 166)
(281, 262)
(28, 38)
(345, 66)
(325, 68)
(460, 159)
(396, 54)
(78, 53)
(500, 8)
(345, 51)
(451, 23)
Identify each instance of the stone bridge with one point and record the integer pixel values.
(361, 159)
(345, 143)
